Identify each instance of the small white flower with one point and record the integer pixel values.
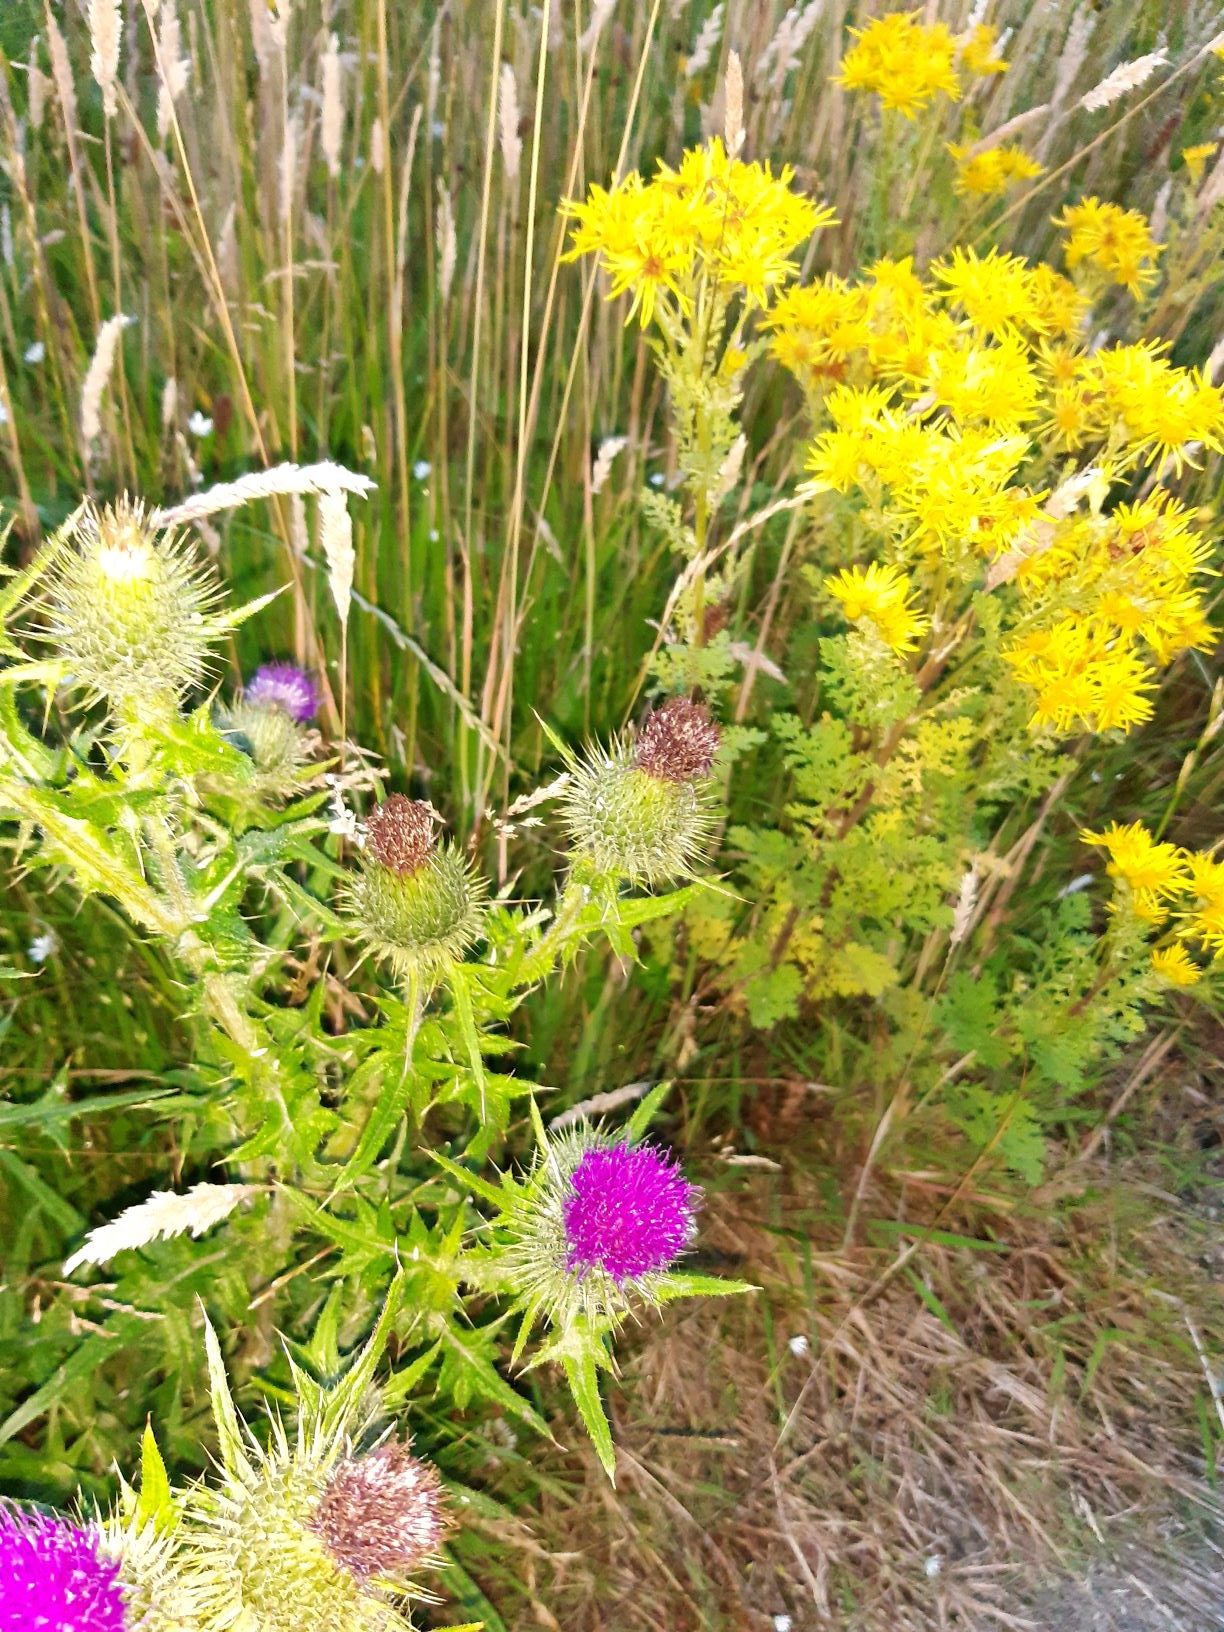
(422, 469)
(438, 129)
(43, 947)
(434, 535)
(932, 1566)
(799, 1344)
(782, 1623)
(4, 415)
(199, 424)
(36, 352)
(657, 478)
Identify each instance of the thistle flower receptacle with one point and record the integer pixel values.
(57, 1575)
(642, 811)
(418, 905)
(129, 609)
(277, 745)
(381, 1516)
(286, 687)
(599, 1223)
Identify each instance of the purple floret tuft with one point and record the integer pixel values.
(282, 685)
(630, 1212)
(53, 1578)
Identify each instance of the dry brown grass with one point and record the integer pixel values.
(983, 1439)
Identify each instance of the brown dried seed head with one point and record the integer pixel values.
(400, 834)
(677, 742)
(382, 1514)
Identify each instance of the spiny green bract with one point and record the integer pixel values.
(420, 922)
(276, 743)
(129, 608)
(626, 823)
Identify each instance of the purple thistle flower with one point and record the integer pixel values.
(282, 685)
(629, 1212)
(53, 1579)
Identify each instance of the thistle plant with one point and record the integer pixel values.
(55, 1573)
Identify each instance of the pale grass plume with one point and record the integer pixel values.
(173, 66)
(97, 376)
(261, 34)
(105, 29)
(169, 403)
(331, 125)
(604, 456)
(433, 72)
(61, 73)
(733, 100)
(706, 43)
(299, 533)
(966, 905)
(36, 92)
(508, 122)
(782, 55)
(281, 481)
(730, 469)
(1009, 128)
(378, 148)
(600, 12)
(599, 1105)
(1214, 366)
(6, 234)
(162, 1216)
(289, 165)
(448, 243)
(336, 541)
(1128, 76)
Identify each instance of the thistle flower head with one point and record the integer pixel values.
(677, 741)
(418, 905)
(642, 811)
(129, 607)
(629, 1212)
(307, 1531)
(598, 1224)
(55, 1574)
(284, 686)
(381, 1515)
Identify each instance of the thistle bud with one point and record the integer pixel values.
(419, 906)
(56, 1574)
(641, 812)
(286, 687)
(276, 744)
(599, 1224)
(129, 608)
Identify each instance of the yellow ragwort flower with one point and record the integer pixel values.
(1175, 966)
(1118, 243)
(1195, 159)
(879, 594)
(1149, 866)
(977, 51)
(992, 170)
(903, 61)
(995, 291)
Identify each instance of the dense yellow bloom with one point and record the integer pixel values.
(977, 51)
(1206, 885)
(881, 595)
(1149, 866)
(1160, 410)
(1118, 243)
(995, 291)
(1082, 677)
(1060, 307)
(1195, 159)
(992, 384)
(903, 61)
(993, 170)
(1175, 965)
(715, 220)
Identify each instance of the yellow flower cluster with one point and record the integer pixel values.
(714, 222)
(880, 595)
(992, 170)
(935, 396)
(906, 62)
(1116, 243)
(1166, 886)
